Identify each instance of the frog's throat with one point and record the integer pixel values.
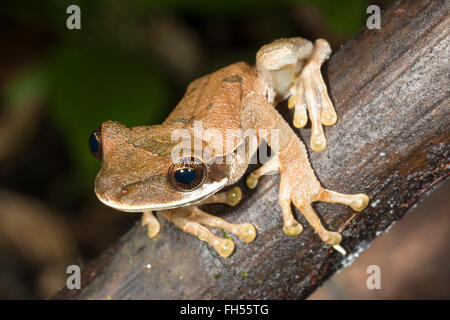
(197, 196)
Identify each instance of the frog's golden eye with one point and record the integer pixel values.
(187, 174)
(95, 143)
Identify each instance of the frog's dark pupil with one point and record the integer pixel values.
(93, 143)
(185, 176)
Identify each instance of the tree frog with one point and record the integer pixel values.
(140, 171)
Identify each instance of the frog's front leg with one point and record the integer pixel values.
(192, 220)
(273, 165)
(292, 67)
(181, 217)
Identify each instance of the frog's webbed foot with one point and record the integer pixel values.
(309, 92)
(303, 195)
(193, 220)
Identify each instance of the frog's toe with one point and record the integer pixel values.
(153, 230)
(224, 247)
(234, 196)
(153, 226)
(252, 181)
(271, 166)
(300, 117)
(329, 117)
(292, 229)
(318, 141)
(297, 101)
(331, 238)
(246, 232)
(231, 197)
(359, 202)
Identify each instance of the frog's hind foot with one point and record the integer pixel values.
(357, 202)
(279, 62)
(302, 197)
(309, 92)
(193, 220)
(291, 67)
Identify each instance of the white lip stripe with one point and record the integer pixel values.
(206, 191)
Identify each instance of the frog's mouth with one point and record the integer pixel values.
(190, 198)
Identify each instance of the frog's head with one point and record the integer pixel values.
(139, 172)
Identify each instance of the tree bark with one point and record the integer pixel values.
(392, 142)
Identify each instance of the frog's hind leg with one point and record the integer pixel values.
(298, 182)
(357, 202)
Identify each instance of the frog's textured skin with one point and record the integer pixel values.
(136, 161)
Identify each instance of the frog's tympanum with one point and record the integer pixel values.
(142, 171)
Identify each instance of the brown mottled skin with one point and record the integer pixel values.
(136, 161)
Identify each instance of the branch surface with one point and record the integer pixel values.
(392, 142)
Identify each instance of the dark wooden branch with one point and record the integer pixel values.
(392, 141)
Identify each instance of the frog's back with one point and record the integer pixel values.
(215, 99)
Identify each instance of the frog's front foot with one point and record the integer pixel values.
(193, 220)
(309, 92)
